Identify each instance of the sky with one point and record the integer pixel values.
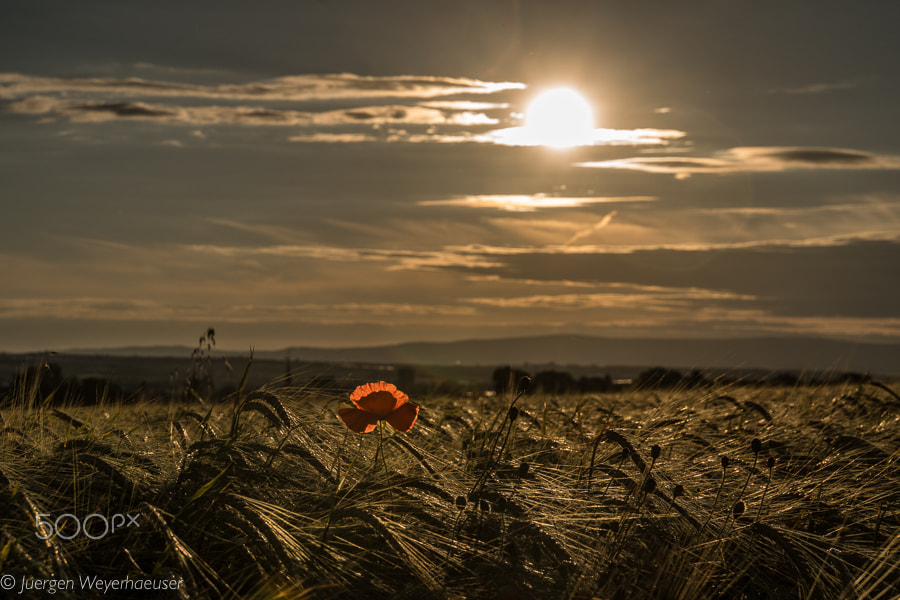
(357, 173)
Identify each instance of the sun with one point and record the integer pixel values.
(560, 118)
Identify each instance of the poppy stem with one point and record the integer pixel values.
(380, 450)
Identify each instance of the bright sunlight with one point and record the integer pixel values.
(560, 118)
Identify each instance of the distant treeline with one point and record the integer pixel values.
(656, 378)
(46, 384)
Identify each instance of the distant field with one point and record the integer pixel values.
(707, 493)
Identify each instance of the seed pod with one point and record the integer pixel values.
(501, 504)
(513, 413)
(461, 502)
(756, 446)
(725, 462)
(771, 463)
(738, 509)
(649, 485)
(654, 451)
(524, 383)
(523, 469)
(484, 505)
(678, 491)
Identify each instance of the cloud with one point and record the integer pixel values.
(756, 321)
(464, 105)
(524, 136)
(871, 209)
(386, 109)
(397, 259)
(806, 157)
(334, 138)
(126, 309)
(531, 282)
(291, 88)
(757, 159)
(246, 115)
(532, 202)
(432, 118)
(645, 297)
(699, 246)
(821, 88)
(849, 280)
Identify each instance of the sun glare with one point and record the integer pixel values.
(560, 118)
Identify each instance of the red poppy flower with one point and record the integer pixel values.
(379, 402)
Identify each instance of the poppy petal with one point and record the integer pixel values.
(358, 420)
(380, 404)
(365, 389)
(404, 417)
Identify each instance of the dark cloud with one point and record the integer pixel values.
(815, 156)
(754, 159)
(293, 87)
(849, 280)
(97, 111)
(124, 109)
(821, 88)
(359, 115)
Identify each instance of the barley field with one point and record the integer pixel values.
(712, 492)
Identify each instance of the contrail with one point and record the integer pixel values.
(586, 232)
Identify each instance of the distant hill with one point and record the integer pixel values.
(807, 354)
(747, 353)
(150, 351)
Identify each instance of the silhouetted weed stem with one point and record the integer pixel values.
(336, 497)
(336, 464)
(755, 447)
(770, 463)
(596, 443)
(655, 451)
(644, 489)
(881, 507)
(277, 450)
(618, 467)
(416, 454)
(512, 413)
(731, 518)
(882, 386)
(645, 475)
(677, 492)
(239, 399)
(725, 461)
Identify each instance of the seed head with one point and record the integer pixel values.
(513, 413)
(771, 463)
(738, 509)
(524, 383)
(523, 469)
(756, 446)
(725, 462)
(461, 502)
(484, 505)
(678, 491)
(649, 485)
(654, 451)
